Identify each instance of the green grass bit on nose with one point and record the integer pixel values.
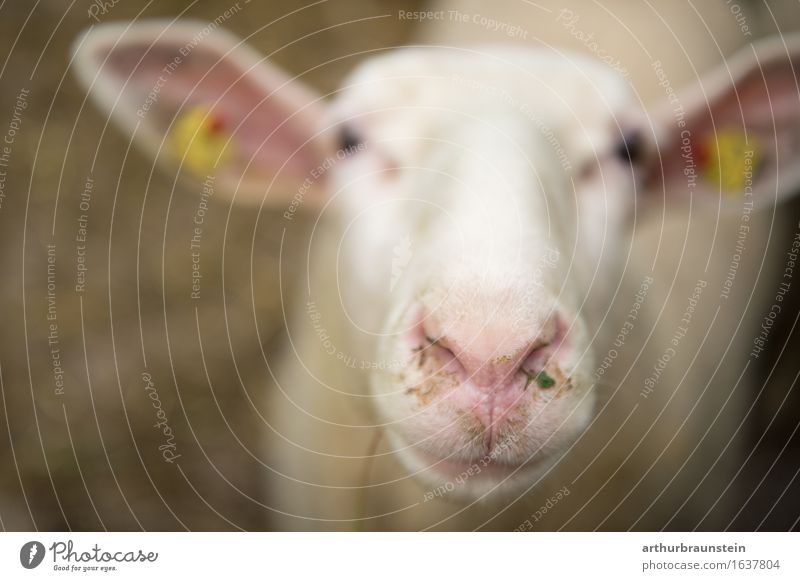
(544, 380)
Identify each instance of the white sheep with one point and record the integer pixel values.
(478, 345)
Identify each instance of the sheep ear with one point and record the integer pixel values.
(199, 99)
(737, 135)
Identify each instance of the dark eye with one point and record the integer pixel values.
(349, 141)
(631, 148)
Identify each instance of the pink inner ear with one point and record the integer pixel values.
(240, 105)
(773, 95)
(763, 95)
(765, 104)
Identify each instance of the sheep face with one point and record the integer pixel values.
(482, 209)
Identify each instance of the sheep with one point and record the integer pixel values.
(478, 344)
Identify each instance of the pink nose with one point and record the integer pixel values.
(497, 363)
(494, 356)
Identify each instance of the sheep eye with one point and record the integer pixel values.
(630, 149)
(349, 141)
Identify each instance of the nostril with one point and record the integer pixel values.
(436, 344)
(439, 349)
(541, 377)
(537, 353)
(432, 347)
(544, 349)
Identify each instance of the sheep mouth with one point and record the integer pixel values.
(460, 470)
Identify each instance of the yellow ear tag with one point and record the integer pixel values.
(199, 139)
(730, 159)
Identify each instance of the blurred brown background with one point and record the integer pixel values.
(89, 458)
